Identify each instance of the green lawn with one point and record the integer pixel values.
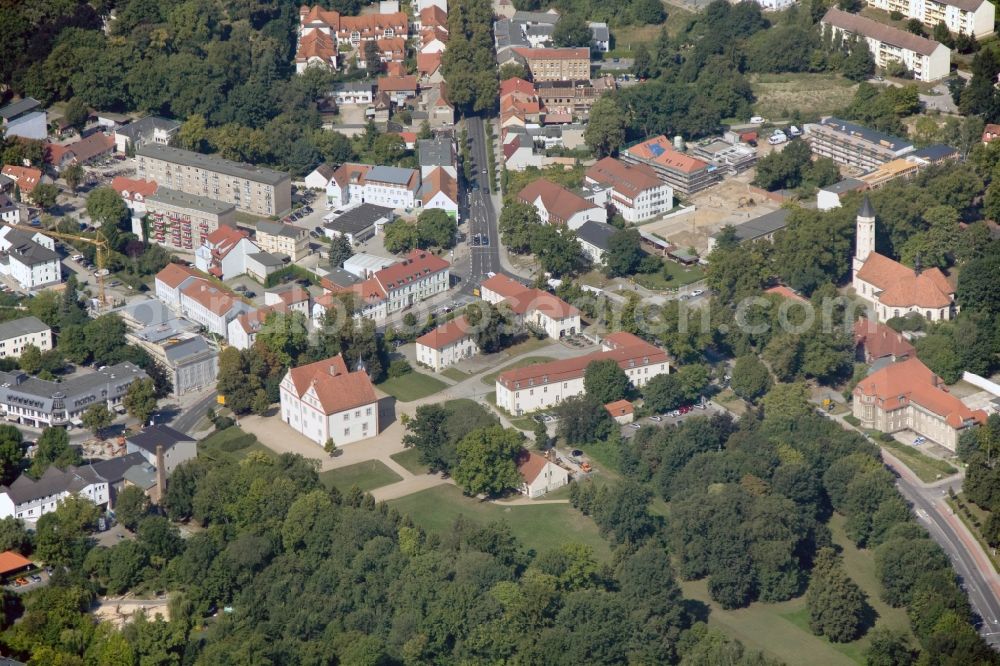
(529, 344)
(231, 444)
(781, 630)
(410, 460)
(366, 475)
(541, 527)
(455, 373)
(673, 276)
(491, 378)
(927, 468)
(812, 94)
(731, 401)
(412, 386)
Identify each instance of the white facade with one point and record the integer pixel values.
(647, 204)
(389, 195)
(33, 506)
(449, 354)
(16, 335)
(173, 456)
(29, 259)
(442, 201)
(774, 5)
(307, 417)
(978, 21)
(531, 399)
(549, 478)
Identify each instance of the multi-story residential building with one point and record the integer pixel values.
(251, 189)
(28, 500)
(447, 344)
(555, 64)
(350, 31)
(29, 259)
(40, 404)
(17, 334)
(908, 396)
(324, 400)
(134, 192)
(224, 252)
(895, 290)
(562, 101)
(545, 385)
(390, 187)
(685, 174)
(25, 178)
(151, 129)
(354, 92)
(288, 298)
(278, 238)
(346, 185)
(927, 59)
(440, 191)
(183, 221)
(634, 190)
(168, 284)
(161, 442)
(536, 308)
(437, 153)
(557, 205)
(971, 17)
(854, 145)
(416, 278)
(204, 303)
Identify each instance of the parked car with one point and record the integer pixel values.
(36, 578)
(576, 453)
(656, 418)
(697, 292)
(635, 426)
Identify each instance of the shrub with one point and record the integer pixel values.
(399, 367)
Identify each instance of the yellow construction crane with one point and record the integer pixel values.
(101, 256)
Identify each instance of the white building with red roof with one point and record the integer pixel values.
(439, 190)
(633, 189)
(211, 306)
(893, 289)
(539, 475)
(324, 400)
(171, 280)
(544, 385)
(532, 307)
(421, 275)
(223, 253)
(559, 206)
(447, 344)
(325, 33)
(908, 396)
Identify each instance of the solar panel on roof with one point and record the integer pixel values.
(656, 149)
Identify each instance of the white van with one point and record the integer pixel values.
(776, 139)
(794, 131)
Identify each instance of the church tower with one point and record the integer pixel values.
(864, 235)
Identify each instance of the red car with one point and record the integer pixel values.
(685, 409)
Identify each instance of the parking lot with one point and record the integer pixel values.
(674, 417)
(29, 581)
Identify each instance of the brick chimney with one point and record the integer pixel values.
(161, 475)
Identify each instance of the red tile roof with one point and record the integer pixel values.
(582, 53)
(428, 63)
(26, 177)
(212, 298)
(316, 44)
(899, 384)
(433, 15)
(560, 203)
(901, 286)
(337, 389)
(629, 179)
(626, 349)
(397, 84)
(530, 465)
(990, 132)
(252, 321)
(440, 180)
(523, 300)
(446, 334)
(133, 188)
(11, 561)
(517, 85)
(659, 150)
(173, 274)
(785, 292)
(619, 408)
(417, 265)
(350, 172)
(880, 341)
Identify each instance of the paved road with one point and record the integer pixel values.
(981, 583)
(187, 418)
(481, 215)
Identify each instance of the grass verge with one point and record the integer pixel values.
(412, 386)
(540, 528)
(366, 475)
(455, 373)
(410, 460)
(927, 468)
(982, 515)
(491, 378)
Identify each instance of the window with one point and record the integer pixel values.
(347, 432)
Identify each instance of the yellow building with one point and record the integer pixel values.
(277, 238)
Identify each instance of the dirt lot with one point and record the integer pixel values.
(722, 204)
(812, 94)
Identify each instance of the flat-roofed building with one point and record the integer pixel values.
(358, 224)
(684, 173)
(926, 59)
(250, 188)
(854, 145)
(17, 334)
(181, 221)
(971, 17)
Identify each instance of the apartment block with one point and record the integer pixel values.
(286, 239)
(555, 64)
(251, 189)
(633, 189)
(684, 173)
(854, 145)
(972, 17)
(182, 221)
(17, 334)
(927, 59)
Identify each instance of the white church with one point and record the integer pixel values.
(893, 289)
